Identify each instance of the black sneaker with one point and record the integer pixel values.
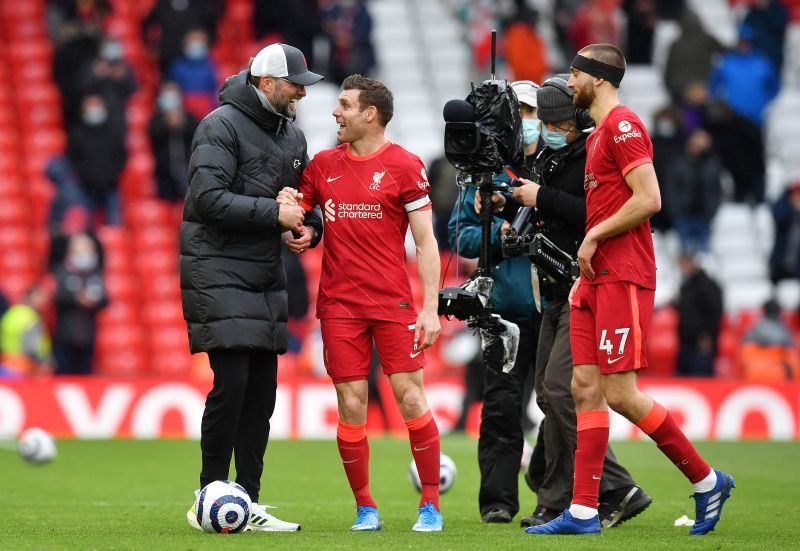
(497, 514)
(622, 504)
(541, 515)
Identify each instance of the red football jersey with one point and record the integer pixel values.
(619, 144)
(364, 202)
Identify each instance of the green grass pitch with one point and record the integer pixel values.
(134, 495)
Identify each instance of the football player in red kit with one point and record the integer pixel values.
(371, 191)
(612, 301)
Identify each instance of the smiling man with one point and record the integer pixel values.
(233, 286)
(611, 303)
(371, 191)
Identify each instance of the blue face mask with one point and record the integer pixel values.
(530, 131)
(553, 140)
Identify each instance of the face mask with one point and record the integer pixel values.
(111, 51)
(196, 50)
(553, 140)
(530, 131)
(169, 101)
(95, 116)
(84, 262)
(665, 128)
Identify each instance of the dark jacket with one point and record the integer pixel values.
(693, 186)
(97, 154)
(233, 285)
(561, 201)
(699, 310)
(76, 325)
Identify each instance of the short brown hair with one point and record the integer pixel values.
(606, 53)
(372, 92)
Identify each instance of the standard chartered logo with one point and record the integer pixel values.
(330, 211)
(361, 211)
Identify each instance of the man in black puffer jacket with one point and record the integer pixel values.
(233, 285)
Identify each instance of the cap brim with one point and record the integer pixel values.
(304, 79)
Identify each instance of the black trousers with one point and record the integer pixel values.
(236, 416)
(501, 438)
(560, 430)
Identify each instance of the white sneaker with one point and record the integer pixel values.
(191, 514)
(261, 521)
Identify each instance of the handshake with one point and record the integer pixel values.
(290, 217)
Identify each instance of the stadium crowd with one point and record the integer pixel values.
(89, 233)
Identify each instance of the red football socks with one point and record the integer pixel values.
(423, 435)
(590, 454)
(659, 425)
(354, 450)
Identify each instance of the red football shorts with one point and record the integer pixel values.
(609, 324)
(347, 347)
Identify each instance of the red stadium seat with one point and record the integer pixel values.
(148, 213)
(123, 362)
(161, 313)
(121, 287)
(164, 286)
(14, 237)
(114, 238)
(14, 213)
(118, 313)
(172, 364)
(120, 337)
(160, 238)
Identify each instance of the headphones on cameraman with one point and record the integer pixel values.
(582, 119)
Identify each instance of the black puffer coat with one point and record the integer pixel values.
(233, 285)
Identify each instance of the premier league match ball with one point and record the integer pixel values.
(447, 474)
(223, 507)
(37, 446)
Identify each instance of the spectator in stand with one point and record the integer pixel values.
(768, 20)
(526, 52)
(69, 200)
(110, 76)
(690, 56)
(196, 74)
(76, 46)
(171, 131)
(769, 352)
(642, 20)
(784, 263)
(444, 194)
(745, 79)
(740, 146)
(693, 184)
(80, 295)
(668, 142)
(25, 347)
(699, 307)
(349, 26)
(294, 22)
(96, 152)
(595, 23)
(170, 20)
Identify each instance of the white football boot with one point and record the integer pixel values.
(191, 514)
(261, 521)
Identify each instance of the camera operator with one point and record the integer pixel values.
(504, 404)
(560, 204)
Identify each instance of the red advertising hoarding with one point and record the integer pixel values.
(99, 407)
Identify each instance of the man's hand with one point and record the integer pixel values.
(573, 290)
(290, 217)
(498, 202)
(527, 193)
(585, 254)
(427, 329)
(504, 227)
(289, 196)
(301, 242)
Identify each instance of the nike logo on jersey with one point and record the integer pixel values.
(421, 449)
(415, 354)
(595, 477)
(333, 179)
(615, 360)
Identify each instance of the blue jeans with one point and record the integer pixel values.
(694, 233)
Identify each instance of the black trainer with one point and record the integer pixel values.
(622, 504)
(541, 515)
(497, 514)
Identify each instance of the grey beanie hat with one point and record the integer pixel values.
(555, 100)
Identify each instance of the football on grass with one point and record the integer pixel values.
(447, 474)
(223, 507)
(37, 446)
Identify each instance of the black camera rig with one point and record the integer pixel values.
(523, 238)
